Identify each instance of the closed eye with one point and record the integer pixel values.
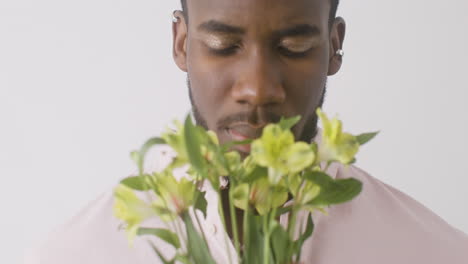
(297, 47)
(293, 54)
(224, 52)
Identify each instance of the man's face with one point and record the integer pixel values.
(251, 62)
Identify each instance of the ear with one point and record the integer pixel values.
(179, 41)
(337, 35)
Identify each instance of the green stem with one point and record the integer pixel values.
(179, 232)
(292, 223)
(291, 229)
(246, 225)
(292, 219)
(199, 226)
(223, 220)
(197, 196)
(176, 224)
(283, 210)
(273, 213)
(272, 218)
(298, 256)
(327, 166)
(266, 240)
(234, 222)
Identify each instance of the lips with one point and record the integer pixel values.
(243, 132)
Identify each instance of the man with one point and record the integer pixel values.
(248, 63)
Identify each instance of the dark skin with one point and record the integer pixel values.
(251, 62)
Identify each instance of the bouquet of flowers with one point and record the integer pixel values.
(279, 177)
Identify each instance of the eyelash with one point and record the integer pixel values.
(231, 50)
(225, 52)
(293, 54)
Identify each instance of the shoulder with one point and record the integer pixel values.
(93, 236)
(385, 222)
(390, 199)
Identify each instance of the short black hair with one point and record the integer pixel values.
(334, 8)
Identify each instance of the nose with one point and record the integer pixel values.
(259, 81)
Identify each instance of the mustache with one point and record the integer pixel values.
(251, 118)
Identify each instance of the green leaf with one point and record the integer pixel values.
(192, 140)
(366, 137)
(136, 183)
(144, 149)
(182, 258)
(280, 243)
(164, 234)
(150, 143)
(201, 203)
(283, 210)
(161, 257)
(288, 123)
(332, 191)
(297, 245)
(280, 197)
(135, 156)
(240, 195)
(197, 247)
(256, 173)
(253, 244)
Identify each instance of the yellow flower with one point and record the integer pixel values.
(277, 150)
(303, 191)
(262, 195)
(174, 197)
(131, 209)
(176, 140)
(335, 144)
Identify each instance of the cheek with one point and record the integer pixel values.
(210, 84)
(306, 82)
(305, 99)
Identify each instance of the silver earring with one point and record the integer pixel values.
(175, 18)
(339, 52)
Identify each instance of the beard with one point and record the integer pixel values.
(308, 133)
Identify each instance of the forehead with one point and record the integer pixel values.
(260, 13)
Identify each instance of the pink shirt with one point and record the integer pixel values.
(382, 225)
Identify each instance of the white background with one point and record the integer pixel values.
(82, 83)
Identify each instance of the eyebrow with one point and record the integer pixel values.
(213, 26)
(298, 30)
